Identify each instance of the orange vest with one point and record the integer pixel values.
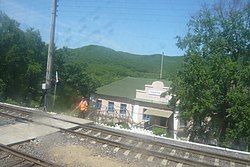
(83, 105)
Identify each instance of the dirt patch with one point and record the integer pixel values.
(77, 155)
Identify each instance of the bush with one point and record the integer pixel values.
(160, 131)
(112, 124)
(11, 101)
(124, 125)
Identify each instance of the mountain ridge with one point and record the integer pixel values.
(107, 64)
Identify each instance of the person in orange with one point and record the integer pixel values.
(83, 105)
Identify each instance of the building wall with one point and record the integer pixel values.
(153, 92)
(150, 97)
(140, 114)
(133, 111)
(117, 104)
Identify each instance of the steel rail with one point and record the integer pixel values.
(122, 145)
(25, 156)
(177, 147)
(191, 150)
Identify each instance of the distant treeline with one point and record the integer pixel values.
(108, 65)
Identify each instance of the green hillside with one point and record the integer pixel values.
(108, 65)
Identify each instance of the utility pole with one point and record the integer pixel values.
(46, 86)
(161, 65)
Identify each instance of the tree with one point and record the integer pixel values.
(213, 82)
(23, 58)
(74, 83)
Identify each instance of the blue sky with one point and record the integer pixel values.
(134, 26)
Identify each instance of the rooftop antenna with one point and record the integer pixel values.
(161, 64)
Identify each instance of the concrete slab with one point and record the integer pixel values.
(14, 133)
(72, 119)
(54, 122)
(23, 131)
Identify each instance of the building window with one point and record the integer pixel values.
(111, 107)
(99, 104)
(145, 116)
(123, 109)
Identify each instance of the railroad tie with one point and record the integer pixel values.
(173, 152)
(116, 149)
(98, 134)
(126, 152)
(149, 146)
(88, 132)
(216, 162)
(93, 142)
(150, 158)
(139, 144)
(77, 130)
(107, 137)
(186, 155)
(201, 158)
(161, 149)
(130, 141)
(72, 136)
(138, 156)
(179, 165)
(119, 139)
(164, 162)
(232, 164)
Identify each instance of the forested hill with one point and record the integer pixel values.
(109, 65)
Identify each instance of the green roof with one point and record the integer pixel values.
(127, 87)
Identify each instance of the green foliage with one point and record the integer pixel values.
(112, 124)
(124, 125)
(74, 83)
(108, 65)
(24, 60)
(160, 131)
(215, 78)
(22, 69)
(11, 101)
(82, 70)
(2, 88)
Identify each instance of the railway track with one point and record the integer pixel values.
(6, 119)
(120, 142)
(166, 153)
(143, 148)
(10, 157)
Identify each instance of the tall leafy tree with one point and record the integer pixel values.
(74, 83)
(214, 83)
(23, 56)
(22, 68)
(35, 53)
(74, 80)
